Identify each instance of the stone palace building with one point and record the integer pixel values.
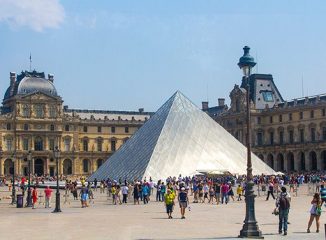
(288, 135)
(34, 119)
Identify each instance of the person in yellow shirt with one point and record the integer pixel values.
(169, 202)
(239, 192)
(114, 195)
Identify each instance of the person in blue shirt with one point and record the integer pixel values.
(145, 191)
(323, 193)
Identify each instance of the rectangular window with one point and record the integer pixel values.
(271, 119)
(99, 145)
(126, 129)
(291, 138)
(25, 144)
(52, 112)
(112, 129)
(268, 96)
(9, 144)
(8, 126)
(281, 137)
(52, 127)
(99, 129)
(290, 116)
(113, 146)
(259, 139)
(39, 111)
(258, 120)
(271, 138)
(301, 115)
(67, 128)
(324, 133)
(280, 118)
(51, 144)
(67, 144)
(312, 114)
(85, 145)
(301, 135)
(313, 134)
(85, 129)
(323, 112)
(25, 126)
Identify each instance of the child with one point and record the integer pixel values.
(239, 192)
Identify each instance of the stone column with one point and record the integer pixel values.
(33, 166)
(307, 161)
(1, 166)
(319, 161)
(297, 161)
(285, 158)
(275, 162)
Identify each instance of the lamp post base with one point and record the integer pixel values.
(13, 200)
(250, 227)
(57, 203)
(29, 198)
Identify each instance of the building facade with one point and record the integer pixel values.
(34, 119)
(288, 135)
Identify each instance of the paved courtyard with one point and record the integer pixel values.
(102, 220)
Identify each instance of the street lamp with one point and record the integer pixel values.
(56, 153)
(250, 227)
(13, 199)
(29, 191)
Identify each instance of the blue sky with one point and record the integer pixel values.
(123, 55)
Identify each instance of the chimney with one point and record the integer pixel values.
(204, 105)
(141, 110)
(12, 78)
(51, 77)
(221, 102)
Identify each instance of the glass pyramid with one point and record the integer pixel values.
(178, 139)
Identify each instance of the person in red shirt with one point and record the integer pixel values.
(22, 185)
(47, 193)
(34, 196)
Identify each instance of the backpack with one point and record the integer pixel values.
(284, 203)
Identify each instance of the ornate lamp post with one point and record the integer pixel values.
(29, 191)
(56, 153)
(250, 227)
(13, 199)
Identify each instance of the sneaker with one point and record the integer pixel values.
(279, 232)
(285, 233)
(308, 230)
(317, 231)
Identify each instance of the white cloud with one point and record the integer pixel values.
(35, 14)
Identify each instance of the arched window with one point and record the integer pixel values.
(67, 167)
(99, 162)
(67, 144)
(113, 145)
(38, 144)
(39, 111)
(85, 165)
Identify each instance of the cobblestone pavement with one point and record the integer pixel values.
(102, 220)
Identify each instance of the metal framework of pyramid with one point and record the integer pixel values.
(178, 139)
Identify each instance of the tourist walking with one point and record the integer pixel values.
(145, 192)
(270, 190)
(169, 202)
(283, 205)
(136, 193)
(34, 197)
(323, 194)
(47, 193)
(217, 190)
(83, 196)
(124, 191)
(225, 192)
(239, 192)
(158, 191)
(183, 201)
(315, 212)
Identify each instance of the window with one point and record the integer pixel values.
(291, 138)
(237, 105)
(52, 112)
(271, 138)
(67, 128)
(312, 114)
(38, 144)
(85, 166)
(258, 120)
(280, 118)
(323, 112)
(99, 129)
(281, 137)
(126, 129)
(112, 129)
(290, 116)
(259, 138)
(51, 127)
(268, 96)
(9, 144)
(25, 111)
(271, 119)
(25, 144)
(113, 145)
(85, 145)
(67, 144)
(313, 134)
(99, 145)
(324, 133)
(39, 111)
(301, 135)
(26, 127)
(301, 115)
(51, 144)
(8, 126)
(85, 129)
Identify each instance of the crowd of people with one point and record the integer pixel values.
(202, 189)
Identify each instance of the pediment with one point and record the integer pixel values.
(39, 96)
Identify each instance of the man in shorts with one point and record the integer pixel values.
(183, 201)
(169, 202)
